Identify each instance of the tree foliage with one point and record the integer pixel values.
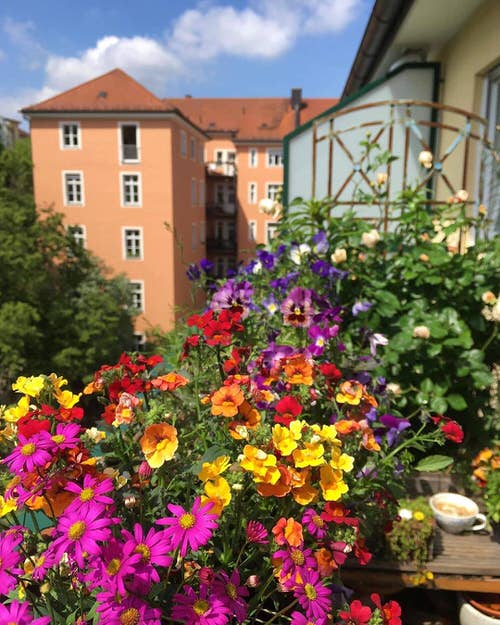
(59, 311)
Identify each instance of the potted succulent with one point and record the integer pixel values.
(410, 539)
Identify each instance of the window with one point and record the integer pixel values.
(73, 188)
(79, 234)
(219, 157)
(202, 193)
(139, 342)
(129, 142)
(273, 190)
(226, 159)
(203, 232)
(253, 158)
(194, 236)
(132, 243)
(137, 292)
(193, 191)
(192, 148)
(223, 264)
(202, 153)
(131, 189)
(70, 136)
(271, 227)
(252, 193)
(274, 157)
(252, 231)
(184, 148)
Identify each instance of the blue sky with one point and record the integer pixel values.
(207, 48)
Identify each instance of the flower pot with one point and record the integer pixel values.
(479, 609)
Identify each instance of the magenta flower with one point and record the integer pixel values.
(129, 610)
(9, 559)
(67, 435)
(114, 564)
(294, 562)
(20, 614)
(91, 495)
(301, 619)
(43, 563)
(230, 590)
(315, 524)
(31, 453)
(153, 548)
(257, 533)
(193, 529)
(80, 531)
(313, 597)
(202, 609)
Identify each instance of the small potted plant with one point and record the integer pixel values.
(410, 539)
(486, 474)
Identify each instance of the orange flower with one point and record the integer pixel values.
(326, 562)
(369, 441)
(159, 444)
(280, 489)
(169, 382)
(347, 426)
(251, 419)
(288, 531)
(298, 370)
(350, 393)
(226, 400)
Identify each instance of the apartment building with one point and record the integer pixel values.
(128, 173)
(244, 164)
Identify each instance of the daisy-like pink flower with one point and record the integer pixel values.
(67, 435)
(153, 548)
(313, 597)
(80, 532)
(189, 529)
(43, 563)
(294, 561)
(315, 523)
(301, 619)
(19, 613)
(129, 610)
(91, 495)
(199, 609)
(114, 564)
(230, 590)
(30, 454)
(257, 533)
(9, 559)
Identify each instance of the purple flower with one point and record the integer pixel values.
(283, 283)
(270, 304)
(294, 562)
(321, 336)
(266, 258)
(199, 609)
(92, 495)
(315, 524)
(206, 265)
(235, 296)
(297, 308)
(320, 242)
(313, 597)
(30, 454)
(257, 533)
(360, 307)
(20, 614)
(321, 268)
(193, 272)
(394, 425)
(232, 593)
(67, 435)
(9, 559)
(117, 611)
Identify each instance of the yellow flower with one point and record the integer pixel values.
(310, 456)
(67, 399)
(342, 462)
(29, 386)
(326, 433)
(332, 484)
(13, 414)
(159, 444)
(351, 393)
(262, 465)
(211, 470)
(57, 381)
(418, 516)
(219, 493)
(284, 439)
(6, 506)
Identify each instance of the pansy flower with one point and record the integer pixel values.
(297, 308)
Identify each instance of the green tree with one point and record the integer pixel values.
(59, 310)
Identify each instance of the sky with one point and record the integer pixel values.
(205, 48)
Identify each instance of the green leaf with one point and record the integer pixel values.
(434, 463)
(439, 405)
(457, 402)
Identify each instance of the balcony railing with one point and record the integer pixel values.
(221, 245)
(346, 143)
(221, 168)
(130, 153)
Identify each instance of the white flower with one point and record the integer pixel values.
(406, 514)
(462, 195)
(495, 311)
(257, 268)
(393, 388)
(488, 297)
(270, 207)
(299, 252)
(339, 256)
(425, 159)
(421, 332)
(381, 178)
(370, 238)
(94, 435)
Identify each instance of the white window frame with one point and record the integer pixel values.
(126, 229)
(73, 172)
(78, 145)
(253, 157)
(203, 232)
(271, 154)
(138, 290)
(124, 203)
(194, 192)
(139, 341)
(80, 238)
(276, 192)
(121, 159)
(184, 144)
(270, 228)
(252, 231)
(252, 192)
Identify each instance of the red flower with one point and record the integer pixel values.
(358, 614)
(452, 431)
(390, 611)
(330, 371)
(288, 410)
(189, 343)
(29, 425)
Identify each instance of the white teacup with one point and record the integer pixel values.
(456, 513)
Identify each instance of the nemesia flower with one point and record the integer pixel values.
(421, 332)
(376, 339)
(350, 392)
(218, 493)
(226, 400)
(390, 611)
(17, 613)
(159, 444)
(298, 370)
(169, 382)
(358, 614)
(189, 529)
(31, 386)
(229, 589)
(287, 410)
(31, 453)
(453, 431)
(339, 255)
(288, 531)
(257, 533)
(211, 470)
(204, 608)
(332, 483)
(124, 412)
(313, 597)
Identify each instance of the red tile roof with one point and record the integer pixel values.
(248, 118)
(114, 91)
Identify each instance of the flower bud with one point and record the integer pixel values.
(253, 581)
(423, 257)
(425, 159)
(393, 388)
(144, 470)
(482, 210)
(129, 501)
(462, 195)
(421, 332)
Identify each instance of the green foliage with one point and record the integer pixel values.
(410, 538)
(58, 311)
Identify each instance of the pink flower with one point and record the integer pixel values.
(67, 435)
(199, 609)
(300, 619)
(189, 529)
(313, 597)
(294, 561)
(153, 548)
(91, 495)
(129, 610)
(30, 453)
(257, 533)
(230, 590)
(20, 614)
(114, 564)
(9, 559)
(315, 524)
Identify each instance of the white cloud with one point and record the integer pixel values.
(10, 105)
(21, 35)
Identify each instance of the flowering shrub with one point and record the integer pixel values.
(232, 491)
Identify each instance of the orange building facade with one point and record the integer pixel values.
(151, 185)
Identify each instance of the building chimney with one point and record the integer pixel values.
(296, 102)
